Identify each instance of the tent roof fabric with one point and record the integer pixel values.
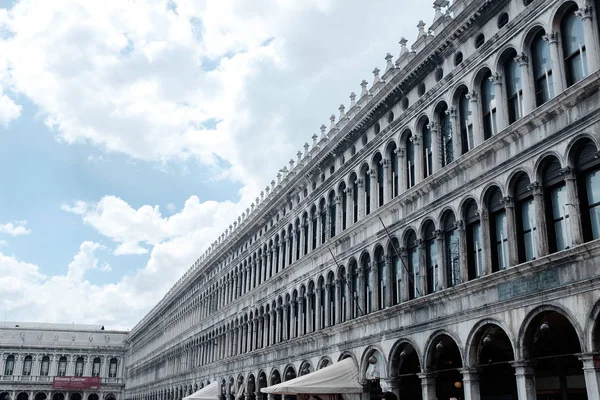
(209, 392)
(341, 377)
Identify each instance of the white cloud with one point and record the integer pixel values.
(9, 111)
(174, 244)
(16, 228)
(213, 81)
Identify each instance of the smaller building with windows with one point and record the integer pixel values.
(33, 354)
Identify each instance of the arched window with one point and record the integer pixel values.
(465, 121)
(525, 218)
(45, 366)
(315, 221)
(62, 366)
(573, 42)
(412, 258)
(323, 217)
(353, 270)
(9, 366)
(451, 250)
(498, 229)
(112, 368)
(27, 366)
(354, 182)
(79, 366)
(382, 273)
(332, 299)
(542, 69)
(380, 183)
(587, 166)
(410, 162)
(427, 149)
(366, 266)
(305, 226)
(393, 157)
(396, 265)
(322, 305)
(344, 204)
(431, 265)
(96, 367)
(488, 106)
(514, 87)
(367, 178)
(445, 132)
(332, 214)
(557, 215)
(343, 282)
(474, 243)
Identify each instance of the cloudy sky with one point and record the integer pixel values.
(132, 132)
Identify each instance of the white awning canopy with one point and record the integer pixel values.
(209, 392)
(341, 377)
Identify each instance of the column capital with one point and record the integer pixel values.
(551, 37)
(536, 187)
(496, 78)
(522, 59)
(400, 153)
(415, 139)
(459, 224)
(439, 234)
(360, 182)
(469, 374)
(427, 377)
(451, 112)
(523, 367)
(590, 360)
(472, 96)
(584, 12)
(507, 201)
(420, 243)
(433, 126)
(386, 163)
(372, 173)
(568, 173)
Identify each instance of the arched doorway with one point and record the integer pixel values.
(59, 396)
(262, 383)
(23, 396)
(551, 342)
(289, 374)
(275, 379)
(75, 396)
(4, 396)
(405, 367)
(491, 353)
(251, 387)
(445, 360)
(92, 396)
(373, 370)
(42, 396)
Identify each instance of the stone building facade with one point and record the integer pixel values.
(32, 354)
(442, 232)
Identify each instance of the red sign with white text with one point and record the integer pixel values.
(76, 382)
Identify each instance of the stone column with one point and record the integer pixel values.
(277, 325)
(349, 206)
(261, 333)
(361, 198)
(401, 170)
(573, 206)
(269, 262)
(421, 280)
(303, 239)
(387, 181)
(301, 316)
(473, 97)
(374, 190)
(328, 218)
(310, 300)
(406, 279)
(339, 215)
(443, 264)
(311, 231)
(428, 385)
(338, 301)
(265, 265)
(389, 293)
(456, 137)
(501, 109)
(558, 76)
(375, 294)
(419, 175)
(295, 244)
(318, 310)
(511, 231)
(462, 250)
(362, 284)
(295, 320)
(525, 377)
(527, 84)
(591, 46)
(286, 321)
(486, 239)
(591, 371)
(436, 151)
(470, 384)
(327, 304)
(541, 231)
